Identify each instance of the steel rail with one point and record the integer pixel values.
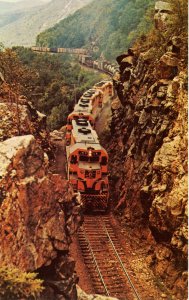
(95, 262)
(121, 263)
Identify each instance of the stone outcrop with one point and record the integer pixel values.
(83, 296)
(163, 13)
(38, 215)
(149, 166)
(19, 117)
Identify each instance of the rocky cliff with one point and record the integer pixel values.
(38, 211)
(19, 117)
(149, 133)
(38, 215)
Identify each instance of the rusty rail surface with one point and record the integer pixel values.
(106, 259)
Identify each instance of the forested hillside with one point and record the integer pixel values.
(107, 26)
(52, 83)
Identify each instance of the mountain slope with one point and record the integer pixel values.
(11, 12)
(24, 28)
(8, 7)
(108, 26)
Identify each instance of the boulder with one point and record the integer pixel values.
(163, 6)
(169, 59)
(162, 17)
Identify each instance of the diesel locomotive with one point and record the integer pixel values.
(87, 160)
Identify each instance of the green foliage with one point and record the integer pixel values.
(58, 83)
(15, 284)
(15, 74)
(1, 46)
(110, 25)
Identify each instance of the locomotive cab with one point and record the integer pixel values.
(88, 165)
(88, 171)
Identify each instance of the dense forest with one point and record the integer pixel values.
(53, 83)
(108, 27)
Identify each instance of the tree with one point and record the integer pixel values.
(16, 285)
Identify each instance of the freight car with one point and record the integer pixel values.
(84, 58)
(60, 50)
(40, 49)
(101, 65)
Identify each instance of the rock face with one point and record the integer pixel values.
(23, 119)
(38, 214)
(20, 119)
(83, 296)
(163, 14)
(149, 166)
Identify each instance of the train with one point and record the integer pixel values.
(87, 160)
(100, 64)
(84, 58)
(78, 51)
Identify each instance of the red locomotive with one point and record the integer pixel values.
(88, 165)
(87, 160)
(75, 116)
(106, 87)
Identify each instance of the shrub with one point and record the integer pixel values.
(15, 284)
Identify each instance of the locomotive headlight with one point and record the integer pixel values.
(90, 153)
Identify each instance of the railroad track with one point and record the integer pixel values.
(106, 259)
